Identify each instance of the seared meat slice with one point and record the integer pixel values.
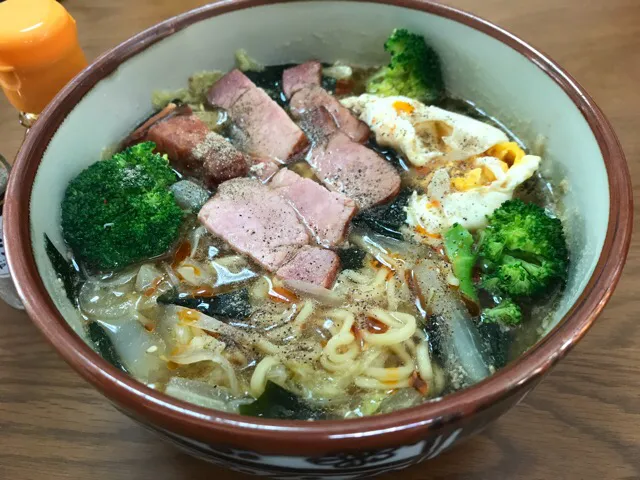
(313, 265)
(300, 76)
(140, 133)
(346, 166)
(302, 85)
(256, 221)
(326, 214)
(226, 91)
(194, 150)
(266, 131)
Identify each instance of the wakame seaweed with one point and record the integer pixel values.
(279, 403)
(104, 345)
(66, 271)
(434, 329)
(497, 341)
(270, 80)
(388, 153)
(72, 279)
(234, 304)
(329, 84)
(386, 219)
(351, 258)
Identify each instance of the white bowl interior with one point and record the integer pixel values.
(477, 67)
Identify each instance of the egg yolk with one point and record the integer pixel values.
(470, 180)
(473, 179)
(508, 152)
(403, 107)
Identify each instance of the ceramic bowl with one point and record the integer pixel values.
(502, 74)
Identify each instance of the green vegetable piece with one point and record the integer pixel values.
(234, 304)
(120, 211)
(104, 345)
(351, 258)
(195, 94)
(458, 245)
(66, 271)
(279, 403)
(414, 70)
(246, 63)
(506, 313)
(524, 251)
(200, 83)
(386, 219)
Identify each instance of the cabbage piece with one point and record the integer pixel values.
(459, 341)
(204, 395)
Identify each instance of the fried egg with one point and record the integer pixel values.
(423, 133)
(473, 167)
(448, 201)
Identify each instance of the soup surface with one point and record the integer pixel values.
(314, 241)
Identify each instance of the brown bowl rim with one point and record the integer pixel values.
(402, 427)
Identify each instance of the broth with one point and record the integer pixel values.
(209, 325)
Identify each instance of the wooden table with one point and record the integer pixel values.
(583, 422)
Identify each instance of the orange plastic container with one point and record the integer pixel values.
(39, 52)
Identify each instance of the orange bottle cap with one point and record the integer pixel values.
(39, 51)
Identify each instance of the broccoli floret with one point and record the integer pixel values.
(524, 251)
(507, 313)
(120, 211)
(414, 70)
(458, 245)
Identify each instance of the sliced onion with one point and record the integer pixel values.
(316, 292)
(339, 72)
(195, 273)
(374, 243)
(105, 303)
(132, 341)
(207, 323)
(400, 400)
(173, 278)
(224, 276)
(148, 275)
(117, 279)
(196, 237)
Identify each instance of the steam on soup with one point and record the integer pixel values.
(313, 241)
